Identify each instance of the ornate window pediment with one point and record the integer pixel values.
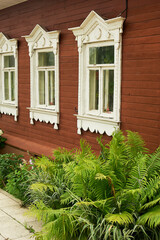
(7, 45)
(99, 44)
(9, 76)
(44, 68)
(39, 38)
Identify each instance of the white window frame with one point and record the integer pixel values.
(45, 69)
(99, 67)
(40, 40)
(97, 32)
(8, 47)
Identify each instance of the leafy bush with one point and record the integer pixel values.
(2, 139)
(18, 183)
(48, 182)
(116, 195)
(8, 164)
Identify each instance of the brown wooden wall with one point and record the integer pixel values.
(140, 69)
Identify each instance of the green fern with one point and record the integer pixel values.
(151, 203)
(151, 217)
(82, 196)
(63, 155)
(120, 218)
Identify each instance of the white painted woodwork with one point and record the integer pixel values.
(41, 40)
(9, 3)
(8, 47)
(97, 32)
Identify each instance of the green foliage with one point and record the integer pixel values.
(120, 218)
(18, 183)
(8, 164)
(48, 182)
(151, 217)
(2, 140)
(113, 196)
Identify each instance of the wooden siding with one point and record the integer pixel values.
(140, 69)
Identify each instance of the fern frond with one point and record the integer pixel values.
(62, 227)
(151, 189)
(150, 204)
(120, 218)
(151, 218)
(104, 150)
(135, 144)
(62, 155)
(101, 204)
(153, 163)
(41, 186)
(117, 150)
(85, 149)
(66, 198)
(44, 163)
(137, 176)
(100, 176)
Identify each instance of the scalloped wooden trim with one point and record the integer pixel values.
(98, 125)
(9, 110)
(43, 115)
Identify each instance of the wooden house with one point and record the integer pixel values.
(73, 69)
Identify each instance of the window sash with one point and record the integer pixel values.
(9, 61)
(47, 93)
(9, 83)
(100, 110)
(108, 91)
(101, 68)
(101, 55)
(48, 90)
(9, 86)
(46, 59)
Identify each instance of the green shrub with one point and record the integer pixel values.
(114, 196)
(2, 139)
(48, 182)
(18, 183)
(8, 164)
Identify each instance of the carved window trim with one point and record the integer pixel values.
(8, 47)
(42, 40)
(96, 31)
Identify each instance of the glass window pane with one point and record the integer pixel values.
(51, 87)
(12, 86)
(9, 61)
(108, 90)
(101, 55)
(6, 86)
(41, 87)
(93, 89)
(46, 59)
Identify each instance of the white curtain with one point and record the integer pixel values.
(41, 87)
(93, 89)
(105, 90)
(6, 85)
(12, 86)
(51, 87)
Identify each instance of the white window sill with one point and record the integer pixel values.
(10, 109)
(96, 124)
(44, 115)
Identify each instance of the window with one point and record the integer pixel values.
(9, 91)
(9, 78)
(100, 68)
(44, 65)
(46, 80)
(99, 46)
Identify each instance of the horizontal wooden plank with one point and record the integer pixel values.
(141, 99)
(141, 107)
